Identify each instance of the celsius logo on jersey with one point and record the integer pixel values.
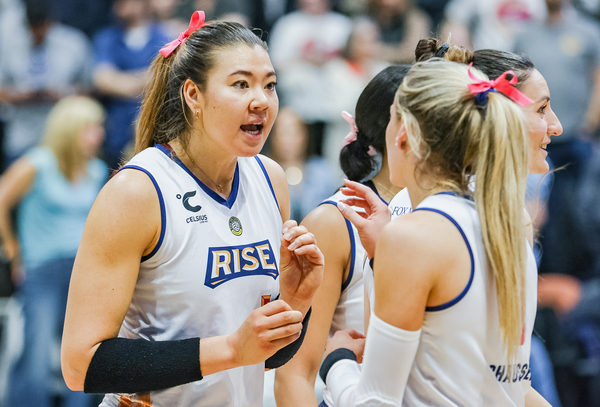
(235, 226)
(229, 262)
(186, 201)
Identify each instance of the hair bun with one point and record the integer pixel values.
(426, 49)
(460, 54)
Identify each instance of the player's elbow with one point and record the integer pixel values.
(73, 370)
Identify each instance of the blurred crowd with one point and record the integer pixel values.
(324, 52)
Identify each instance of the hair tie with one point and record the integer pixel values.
(350, 137)
(441, 51)
(481, 88)
(196, 22)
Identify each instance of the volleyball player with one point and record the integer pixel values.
(339, 302)
(458, 267)
(190, 238)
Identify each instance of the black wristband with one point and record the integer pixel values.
(336, 355)
(135, 365)
(372, 263)
(285, 354)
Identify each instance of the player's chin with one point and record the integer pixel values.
(250, 148)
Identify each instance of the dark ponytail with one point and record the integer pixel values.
(164, 114)
(372, 117)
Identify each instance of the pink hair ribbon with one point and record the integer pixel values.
(501, 84)
(351, 137)
(196, 22)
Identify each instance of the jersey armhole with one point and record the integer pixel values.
(264, 170)
(346, 283)
(163, 217)
(466, 289)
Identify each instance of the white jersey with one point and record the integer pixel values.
(399, 205)
(461, 358)
(349, 311)
(216, 261)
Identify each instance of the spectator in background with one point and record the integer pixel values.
(346, 76)
(300, 44)
(123, 53)
(54, 186)
(490, 24)
(435, 9)
(310, 179)
(402, 25)
(566, 50)
(39, 63)
(164, 13)
(86, 15)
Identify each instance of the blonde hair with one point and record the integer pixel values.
(65, 122)
(455, 139)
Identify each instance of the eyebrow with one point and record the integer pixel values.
(250, 74)
(543, 98)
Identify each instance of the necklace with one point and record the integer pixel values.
(221, 186)
(380, 188)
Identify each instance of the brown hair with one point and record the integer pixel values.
(164, 113)
(491, 62)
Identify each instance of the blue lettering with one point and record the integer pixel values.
(230, 262)
(500, 372)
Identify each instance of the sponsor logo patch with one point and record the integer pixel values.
(235, 226)
(230, 262)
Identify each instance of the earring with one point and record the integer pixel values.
(196, 113)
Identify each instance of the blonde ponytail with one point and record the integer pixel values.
(455, 139)
(501, 172)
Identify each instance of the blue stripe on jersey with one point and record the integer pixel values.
(352, 247)
(163, 217)
(268, 180)
(466, 289)
(218, 198)
(352, 260)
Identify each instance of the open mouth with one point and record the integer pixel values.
(253, 129)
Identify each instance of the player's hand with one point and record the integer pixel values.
(559, 291)
(302, 266)
(265, 331)
(369, 223)
(349, 339)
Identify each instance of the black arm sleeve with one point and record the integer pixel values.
(136, 365)
(285, 354)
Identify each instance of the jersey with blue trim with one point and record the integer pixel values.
(461, 360)
(349, 311)
(399, 205)
(216, 261)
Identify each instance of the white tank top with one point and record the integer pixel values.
(399, 205)
(216, 261)
(461, 359)
(349, 311)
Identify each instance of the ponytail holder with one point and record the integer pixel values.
(350, 137)
(501, 84)
(441, 51)
(196, 22)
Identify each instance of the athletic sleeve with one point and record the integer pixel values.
(387, 361)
